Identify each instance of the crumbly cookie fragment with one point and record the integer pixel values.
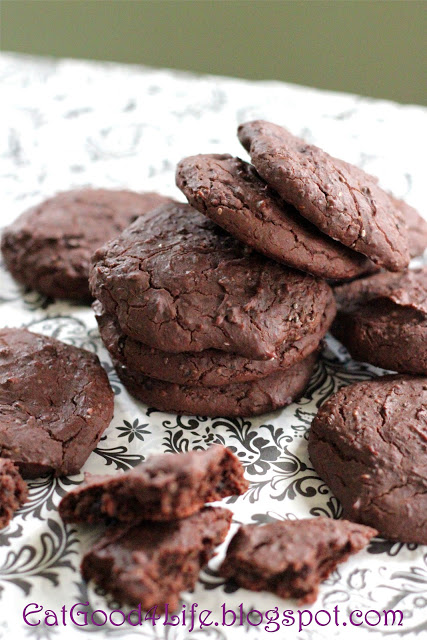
(291, 558)
(13, 491)
(164, 487)
(152, 562)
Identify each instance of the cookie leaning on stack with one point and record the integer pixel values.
(232, 194)
(340, 199)
(302, 207)
(232, 321)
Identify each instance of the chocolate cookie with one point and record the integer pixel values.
(208, 368)
(152, 562)
(175, 281)
(242, 399)
(233, 195)
(417, 228)
(55, 402)
(340, 199)
(165, 487)
(13, 491)
(368, 442)
(383, 320)
(48, 248)
(291, 558)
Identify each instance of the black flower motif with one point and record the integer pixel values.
(262, 454)
(259, 452)
(134, 430)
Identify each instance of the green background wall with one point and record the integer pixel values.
(370, 47)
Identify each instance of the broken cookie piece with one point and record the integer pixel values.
(165, 487)
(291, 558)
(13, 491)
(152, 562)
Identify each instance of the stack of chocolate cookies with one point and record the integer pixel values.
(197, 322)
(218, 307)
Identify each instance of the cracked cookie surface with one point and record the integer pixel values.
(231, 193)
(55, 402)
(48, 248)
(177, 282)
(368, 442)
(339, 198)
(383, 320)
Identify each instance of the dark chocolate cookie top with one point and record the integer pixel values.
(49, 247)
(368, 442)
(231, 193)
(340, 199)
(55, 402)
(178, 282)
